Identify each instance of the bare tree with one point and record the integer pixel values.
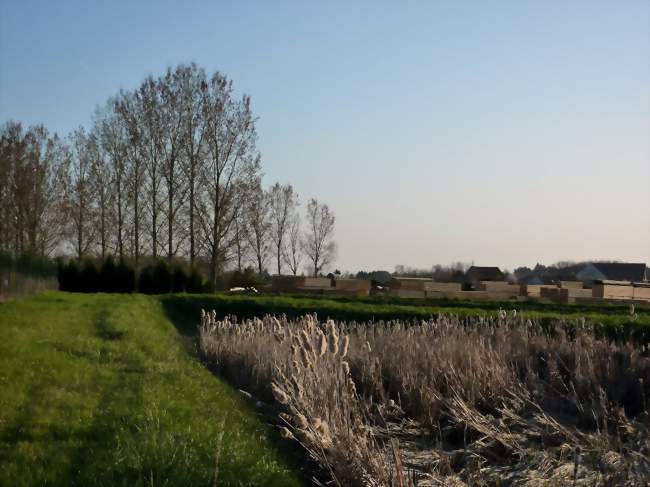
(101, 188)
(47, 205)
(317, 244)
(112, 135)
(193, 82)
(79, 193)
(283, 202)
(8, 136)
(172, 127)
(171, 166)
(259, 225)
(241, 239)
(147, 103)
(126, 126)
(292, 249)
(232, 165)
(12, 150)
(33, 165)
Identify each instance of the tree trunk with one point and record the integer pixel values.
(136, 214)
(215, 244)
(103, 226)
(154, 239)
(154, 217)
(80, 234)
(170, 222)
(192, 177)
(239, 249)
(170, 208)
(120, 238)
(18, 245)
(136, 228)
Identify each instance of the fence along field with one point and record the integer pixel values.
(478, 401)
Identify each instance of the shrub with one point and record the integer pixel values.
(69, 276)
(195, 282)
(208, 286)
(125, 277)
(89, 281)
(155, 278)
(146, 281)
(247, 278)
(179, 279)
(6, 260)
(61, 274)
(162, 277)
(109, 279)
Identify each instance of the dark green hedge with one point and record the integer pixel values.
(108, 276)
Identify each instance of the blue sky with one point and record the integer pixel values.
(502, 132)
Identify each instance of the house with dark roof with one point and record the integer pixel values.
(613, 271)
(476, 274)
(409, 287)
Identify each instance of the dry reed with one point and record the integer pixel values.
(447, 401)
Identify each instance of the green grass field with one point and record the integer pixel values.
(102, 390)
(615, 318)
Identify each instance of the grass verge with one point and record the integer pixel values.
(98, 390)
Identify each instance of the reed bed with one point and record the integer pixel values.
(447, 401)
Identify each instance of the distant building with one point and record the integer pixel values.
(287, 283)
(476, 275)
(299, 283)
(613, 271)
(378, 278)
(534, 281)
(358, 287)
(409, 287)
(381, 277)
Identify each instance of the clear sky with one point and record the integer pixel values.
(499, 132)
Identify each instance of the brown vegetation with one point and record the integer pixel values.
(476, 401)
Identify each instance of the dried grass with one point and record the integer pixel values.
(447, 401)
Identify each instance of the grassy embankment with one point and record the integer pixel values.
(100, 390)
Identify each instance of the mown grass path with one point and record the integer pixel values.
(99, 390)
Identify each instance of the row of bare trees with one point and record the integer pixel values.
(170, 169)
(31, 182)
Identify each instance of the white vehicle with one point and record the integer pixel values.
(249, 290)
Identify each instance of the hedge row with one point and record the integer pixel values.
(121, 277)
(29, 265)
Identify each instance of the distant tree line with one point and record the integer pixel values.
(560, 271)
(168, 170)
